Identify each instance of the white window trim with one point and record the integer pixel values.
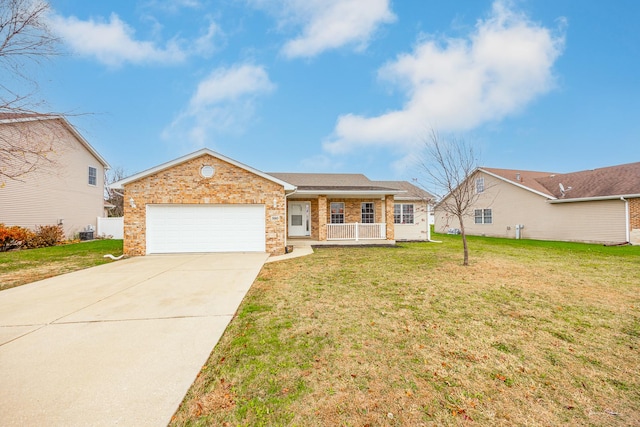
(482, 216)
(373, 212)
(402, 214)
(89, 176)
(339, 213)
(480, 185)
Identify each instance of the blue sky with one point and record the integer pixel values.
(350, 85)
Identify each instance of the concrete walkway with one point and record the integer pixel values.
(119, 344)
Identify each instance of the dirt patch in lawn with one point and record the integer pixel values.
(26, 266)
(20, 277)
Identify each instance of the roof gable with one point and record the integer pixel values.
(119, 184)
(611, 181)
(522, 178)
(10, 118)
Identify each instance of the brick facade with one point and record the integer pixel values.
(321, 214)
(353, 209)
(634, 220)
(634, 213)
(183, 184)
(389, 204)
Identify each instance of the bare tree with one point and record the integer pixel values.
(448, 166)
(114, 197)
(25, 38)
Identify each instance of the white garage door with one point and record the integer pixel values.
(205, 228)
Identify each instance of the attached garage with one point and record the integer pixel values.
(178, 228)
(203, 202)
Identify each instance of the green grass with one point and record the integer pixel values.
(26, 266)
(531, 333)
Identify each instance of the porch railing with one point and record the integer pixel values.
(356, 231)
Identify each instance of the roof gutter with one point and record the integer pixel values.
(350, 192)
(595, 199)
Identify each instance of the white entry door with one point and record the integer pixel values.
(299, 219)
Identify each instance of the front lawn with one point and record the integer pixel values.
(26, 266)
(531, 333)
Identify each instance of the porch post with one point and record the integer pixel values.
(388, 204)
(322, 218)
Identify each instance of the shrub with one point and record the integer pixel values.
(13, 237)
(45, 235)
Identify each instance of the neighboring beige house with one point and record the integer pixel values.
(67, 188)
(206, 202)
(599, 205)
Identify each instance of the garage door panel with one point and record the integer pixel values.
(205, 228)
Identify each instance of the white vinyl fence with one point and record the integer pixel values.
(113, 227)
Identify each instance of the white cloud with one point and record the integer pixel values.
(328, 24)
(113, 42)
(206, 43)
(458, 84)
(229, 84)
(223, 102)
(172, 6)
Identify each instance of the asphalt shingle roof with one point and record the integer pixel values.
(323, 179)
(349, 182)
(616, 180)
(609, 181)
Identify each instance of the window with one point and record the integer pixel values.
(337, 213)
(403, 213)
(93, 176)
(368, 215)
(487, 216)
(479, 185)
(483, 216)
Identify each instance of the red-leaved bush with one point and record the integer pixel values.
(15, 237)
(12, 237)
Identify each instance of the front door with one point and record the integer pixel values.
(299, 219)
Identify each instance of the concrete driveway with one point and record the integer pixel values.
(118, 344)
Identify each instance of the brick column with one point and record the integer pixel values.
(322, 218)
(634, 213)
(634, 221)
(388, 206)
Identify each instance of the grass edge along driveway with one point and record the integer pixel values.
(26, 266)
(532, 333)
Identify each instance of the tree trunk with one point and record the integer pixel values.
(465, 262)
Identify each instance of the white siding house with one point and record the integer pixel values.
(596, 206)
(67, 188)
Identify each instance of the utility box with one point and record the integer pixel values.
(86, 235)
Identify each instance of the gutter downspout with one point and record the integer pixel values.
(429, 225)
(626, 212)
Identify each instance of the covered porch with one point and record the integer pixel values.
(359, 218)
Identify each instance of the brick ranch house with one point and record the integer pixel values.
(206, 202)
